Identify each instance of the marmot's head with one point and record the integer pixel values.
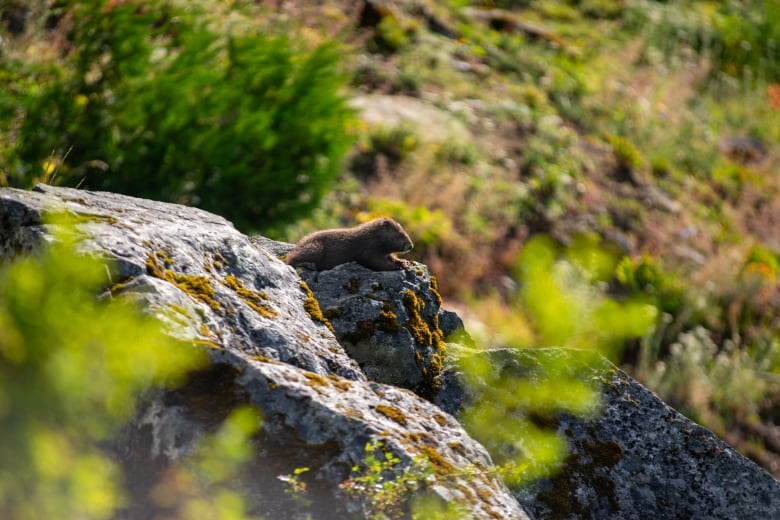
(393, 236)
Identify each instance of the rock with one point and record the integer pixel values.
(638, 458)
(410, 112)
(225, 291)
(387, 321)
(254, 316)
(744, 150)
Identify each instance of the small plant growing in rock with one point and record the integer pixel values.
(296, 488)
(383, 488)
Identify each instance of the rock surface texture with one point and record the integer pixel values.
(337, 358)
(638, 458)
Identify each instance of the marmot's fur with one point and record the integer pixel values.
(371, 245)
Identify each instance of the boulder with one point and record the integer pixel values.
(269, 346)
(635, 458)
(387, 321)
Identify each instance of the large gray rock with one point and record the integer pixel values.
(215, 288)
(636, 459)
(271, 345)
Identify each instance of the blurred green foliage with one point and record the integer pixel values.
(211, 481)
(430, 228)
(562, 296)
(741, 38)
(71, 368)
(566, 300)
(646, 275)
(198, 103)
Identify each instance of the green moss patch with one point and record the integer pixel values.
(197, 286)
(312, 306)
(425, 335)
(393, 413)
(257, 300)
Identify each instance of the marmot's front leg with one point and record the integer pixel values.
(383, 263)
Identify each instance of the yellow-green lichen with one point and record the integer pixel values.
(457, 447)
(312, 306)
(209, 338)
(196, 286)
(204, 330)
(340, 382)
(315, 379)
(120, 286)
(388, 321)
(179, 309)
(83, 218)
(393, 413)
(425, 336)
(438, 462)
(206, 343)
(440, 419)
(435, 291)
(257, 300)
(415, 324)
(413, 439)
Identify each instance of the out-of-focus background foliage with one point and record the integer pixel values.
(650, 129)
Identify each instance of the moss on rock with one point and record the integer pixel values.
(312, 306)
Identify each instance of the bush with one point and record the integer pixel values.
(646, 275)
(160, 101)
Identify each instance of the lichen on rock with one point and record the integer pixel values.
(386, 320)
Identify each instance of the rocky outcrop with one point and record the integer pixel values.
(637, 458)
(387, 321)
(338, 358)
(269, 346)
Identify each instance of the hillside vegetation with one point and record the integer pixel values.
(641, 138)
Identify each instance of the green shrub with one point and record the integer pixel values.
(394, 142)
(162, 101)
(646, 275)
(393, 34)
(626, 154)
(721, 385)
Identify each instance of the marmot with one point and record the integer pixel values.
(371, 245)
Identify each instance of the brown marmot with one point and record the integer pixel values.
(371, 245)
